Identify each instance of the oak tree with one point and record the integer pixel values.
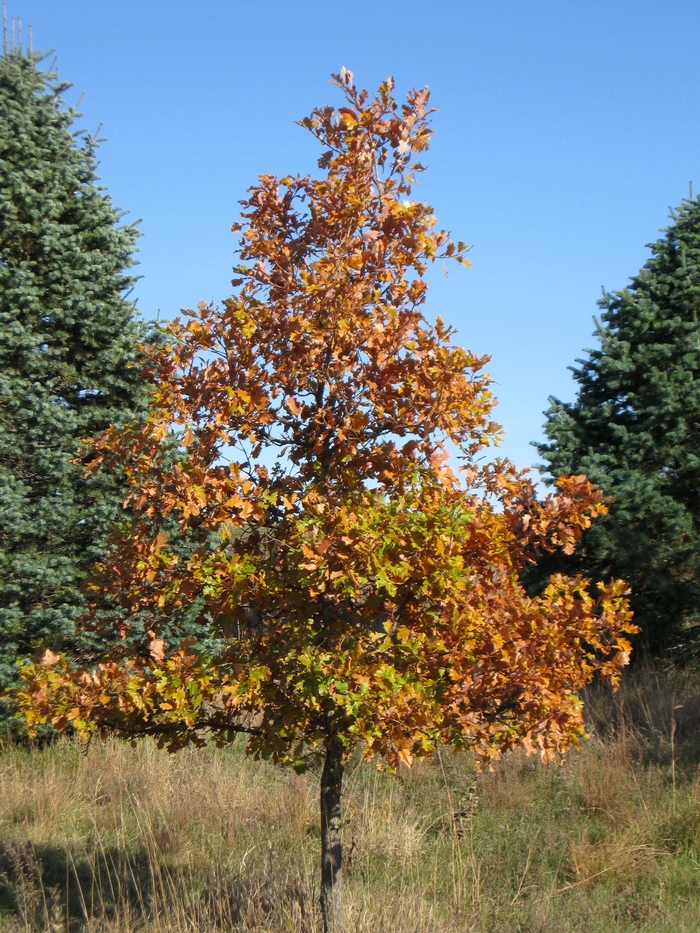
(354, 586)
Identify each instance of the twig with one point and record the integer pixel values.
(526, 869)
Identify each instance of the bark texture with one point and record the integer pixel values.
(331, 841)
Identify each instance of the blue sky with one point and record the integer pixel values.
(565, 131)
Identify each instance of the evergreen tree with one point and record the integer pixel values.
(634, 429)
(69, 359)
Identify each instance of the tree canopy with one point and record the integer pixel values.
(634, 429)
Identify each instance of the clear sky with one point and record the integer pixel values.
(565, 132)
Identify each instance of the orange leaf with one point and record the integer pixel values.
(157, 649)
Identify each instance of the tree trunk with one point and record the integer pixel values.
(331, 842)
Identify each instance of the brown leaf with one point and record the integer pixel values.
(157, 649)
(49, 659)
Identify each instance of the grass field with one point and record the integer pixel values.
(128, 839)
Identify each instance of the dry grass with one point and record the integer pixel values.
(131, 839)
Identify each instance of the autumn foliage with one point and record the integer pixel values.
(356, 585)
(352, 582)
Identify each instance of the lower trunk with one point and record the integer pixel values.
(331, 842)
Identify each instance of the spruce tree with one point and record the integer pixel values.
(634, 429)
(69, 359)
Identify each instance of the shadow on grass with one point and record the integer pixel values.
(54, 888)
(657, 710)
